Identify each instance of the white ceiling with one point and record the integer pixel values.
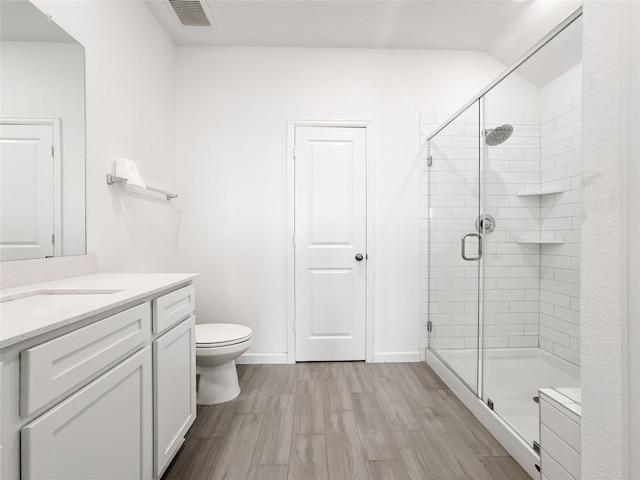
(427, 24)
(423, 24)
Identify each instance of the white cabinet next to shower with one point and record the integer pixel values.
(560, 432)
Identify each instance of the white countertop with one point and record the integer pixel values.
(567, 398)
(43, 307)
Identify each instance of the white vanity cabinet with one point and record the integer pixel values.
(109, 397)
(174, 363)
(560, 434)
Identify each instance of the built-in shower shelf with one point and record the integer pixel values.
(541, 240)
(541, 191)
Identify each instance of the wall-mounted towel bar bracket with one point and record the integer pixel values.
(111, 179)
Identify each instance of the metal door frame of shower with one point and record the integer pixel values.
(482, 156)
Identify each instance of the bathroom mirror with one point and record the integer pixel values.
(42, 136)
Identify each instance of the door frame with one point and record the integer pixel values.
(291, 317)
(57, 172)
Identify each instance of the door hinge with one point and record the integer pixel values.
(536, 447)
(52, 150)
(429, 326)
(429, 161)
(490, 403)
(294, 240)
(53, 239)
(294, 152)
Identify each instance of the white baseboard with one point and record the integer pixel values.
(267, 358)
(395, 357)
(508, 438)
(278, 358)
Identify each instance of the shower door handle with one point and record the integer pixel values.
(462, 246)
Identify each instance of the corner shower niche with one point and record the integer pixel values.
(504, 317)
(541, 239)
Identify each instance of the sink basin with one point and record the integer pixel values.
(58, 296)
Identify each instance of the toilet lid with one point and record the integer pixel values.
(221, 334)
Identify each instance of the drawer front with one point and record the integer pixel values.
(551, 469)
(561, 425)
(566, 456)
(169, 309)
(49, 370)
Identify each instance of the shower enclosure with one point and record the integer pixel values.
(501, 213)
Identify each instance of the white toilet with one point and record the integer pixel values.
(217, 346)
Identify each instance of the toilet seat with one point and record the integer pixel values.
(211, 335)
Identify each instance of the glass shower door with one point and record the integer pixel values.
(455, 245)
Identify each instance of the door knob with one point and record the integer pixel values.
(359, 257)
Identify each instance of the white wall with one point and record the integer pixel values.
(130, 105)
(46, 80)
(233, 108)
(604, 257)
(633, 232)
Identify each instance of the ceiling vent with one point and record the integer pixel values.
(190, 12)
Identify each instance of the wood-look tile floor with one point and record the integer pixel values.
(342, 420)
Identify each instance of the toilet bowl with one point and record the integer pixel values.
(217, 346)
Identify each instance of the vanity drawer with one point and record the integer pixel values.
(169, 309)
(49, 370)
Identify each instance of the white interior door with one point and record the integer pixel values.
(330, 243)
(26, 191)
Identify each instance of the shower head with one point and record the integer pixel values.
(498, 135)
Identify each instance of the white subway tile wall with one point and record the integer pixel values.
(531, 291)
(561, 213)
(512, 309)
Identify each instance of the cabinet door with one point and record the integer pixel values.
(101, 432)
(174, 390)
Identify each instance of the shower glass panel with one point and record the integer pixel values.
(531, 185)
(503, 245)
(453, 208)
